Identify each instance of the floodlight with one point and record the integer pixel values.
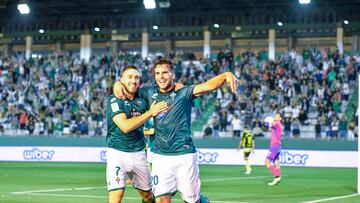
(23, 8)
(149, 4)
(304, 1)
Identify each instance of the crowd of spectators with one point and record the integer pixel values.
(310, 88)
(60, 94)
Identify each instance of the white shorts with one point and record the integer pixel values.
(149, 155)
(120, 163)
(176, 173)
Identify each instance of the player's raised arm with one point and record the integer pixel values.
(215, 83)
(127, 125)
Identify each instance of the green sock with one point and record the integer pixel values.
(203, 199)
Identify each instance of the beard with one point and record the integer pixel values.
(131, 90)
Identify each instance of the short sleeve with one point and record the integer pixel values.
(188, 92)
(116, 107)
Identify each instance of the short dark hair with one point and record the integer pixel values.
(162, 62)
(129, 68)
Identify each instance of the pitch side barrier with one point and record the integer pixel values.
(344, 154)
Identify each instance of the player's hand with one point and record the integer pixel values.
(231, 81)
(119, 90)
(157, 108)
(178, 86)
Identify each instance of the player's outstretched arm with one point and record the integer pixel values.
(127, 125)
(215, 83)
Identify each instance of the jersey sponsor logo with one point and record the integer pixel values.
(115, 107)
(207, 157)
(162, 114)
(134, 113)
(293, 159)
(37, 154)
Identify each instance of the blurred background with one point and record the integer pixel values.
(59, 59)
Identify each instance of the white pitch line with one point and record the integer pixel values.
(332, 198)
(56, 190)
(235, 178)
(105, 197)
(41, 192)
(99, 187)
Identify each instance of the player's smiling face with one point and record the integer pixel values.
(131, 80)
(164, 77)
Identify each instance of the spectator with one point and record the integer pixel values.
(223, 121)
(236, 126)
(83, 127)
(287, 127)
(258, 131)
(22, 119)
(343, 127)
(318, 129)
(216, 126)
(296, 128)
(335, 127)
(58, 126)
(208, 131)
(351, 133)
(303, 117)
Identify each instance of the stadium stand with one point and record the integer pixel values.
(48, 88)
(59, 95)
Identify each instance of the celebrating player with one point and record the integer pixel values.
(126, 141)
(274, 151)
(175, 164)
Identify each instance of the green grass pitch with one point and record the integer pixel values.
(85, 182)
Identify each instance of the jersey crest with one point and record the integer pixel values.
(172, 95)
(154, 95)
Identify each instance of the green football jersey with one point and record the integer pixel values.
(173, 127)
(128, 142)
